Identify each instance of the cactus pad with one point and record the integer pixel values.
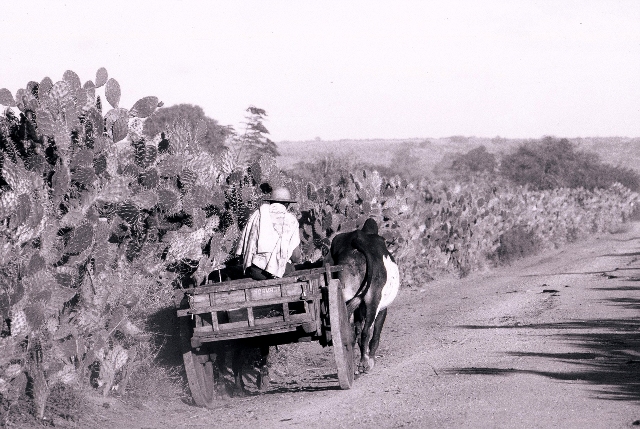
(44, 122)
(120, 129)
(148, 178)
(170, 167)
(80, 239)
(145, 200)
(112, 92)
(60, 181)
(188, 179)
(84, 176)
(167, 200)
(72, 78)
(100, 164)
(23, 209)
(45, 86)
(36, 263)
(218, 197)
(61, 92)
(144, 107)
(131, 170)
(101, 77)
(128, 212)
(6, 98)
(81, 158)
(150, 155)
(35, 315)
(19, 324)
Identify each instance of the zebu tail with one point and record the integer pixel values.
(353, 304)
(369, 245)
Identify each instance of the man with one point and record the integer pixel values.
(271, 239)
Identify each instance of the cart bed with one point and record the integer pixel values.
(249, 308)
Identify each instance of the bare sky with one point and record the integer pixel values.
(374, 69)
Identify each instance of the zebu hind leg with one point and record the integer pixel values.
(366, 362)
(263, 378)
(236, 366)
(377, 330)
(358, 322)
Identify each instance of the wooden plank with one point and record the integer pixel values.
(233, 325)
(251, 319)
(294, 289)
(202, 330)
(244, 332)
(200, 301)
(241, 284)
(302, 275)
(285, 311)
(327, 273)
(214, 321)
(301, 317)
(313, 285)
(231, 305)
(225, 297)
(262, 293)
(315, 308)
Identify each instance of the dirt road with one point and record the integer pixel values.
(550, 342)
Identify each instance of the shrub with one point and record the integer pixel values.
(477, 160)
(551, 163)
(164, 118)
(515, 243)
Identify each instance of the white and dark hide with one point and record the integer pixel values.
(371, 280)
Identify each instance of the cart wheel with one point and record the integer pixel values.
(342, 335)
(198, 367)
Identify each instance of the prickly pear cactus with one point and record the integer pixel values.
(96, 218)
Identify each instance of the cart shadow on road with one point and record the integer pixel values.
(608, 358)
(317, 383)
(163, 325)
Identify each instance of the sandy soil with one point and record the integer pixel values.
(551, 341)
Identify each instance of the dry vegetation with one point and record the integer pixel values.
(102, 221)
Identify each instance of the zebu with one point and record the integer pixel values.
(371, 281)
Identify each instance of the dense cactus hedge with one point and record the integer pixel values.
(99, 223)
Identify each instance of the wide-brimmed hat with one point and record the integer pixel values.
(280, 195)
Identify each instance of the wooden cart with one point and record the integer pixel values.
(306, 306)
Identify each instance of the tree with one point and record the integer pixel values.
(162, 119)
(253, 143)
(406, 162)
(555, 163)
(328, 165)
(475, 161)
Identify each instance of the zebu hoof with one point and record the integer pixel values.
(365, 366)
(239, 392)
(263, 380)
(223, 392)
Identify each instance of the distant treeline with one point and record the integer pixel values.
(547, 163)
